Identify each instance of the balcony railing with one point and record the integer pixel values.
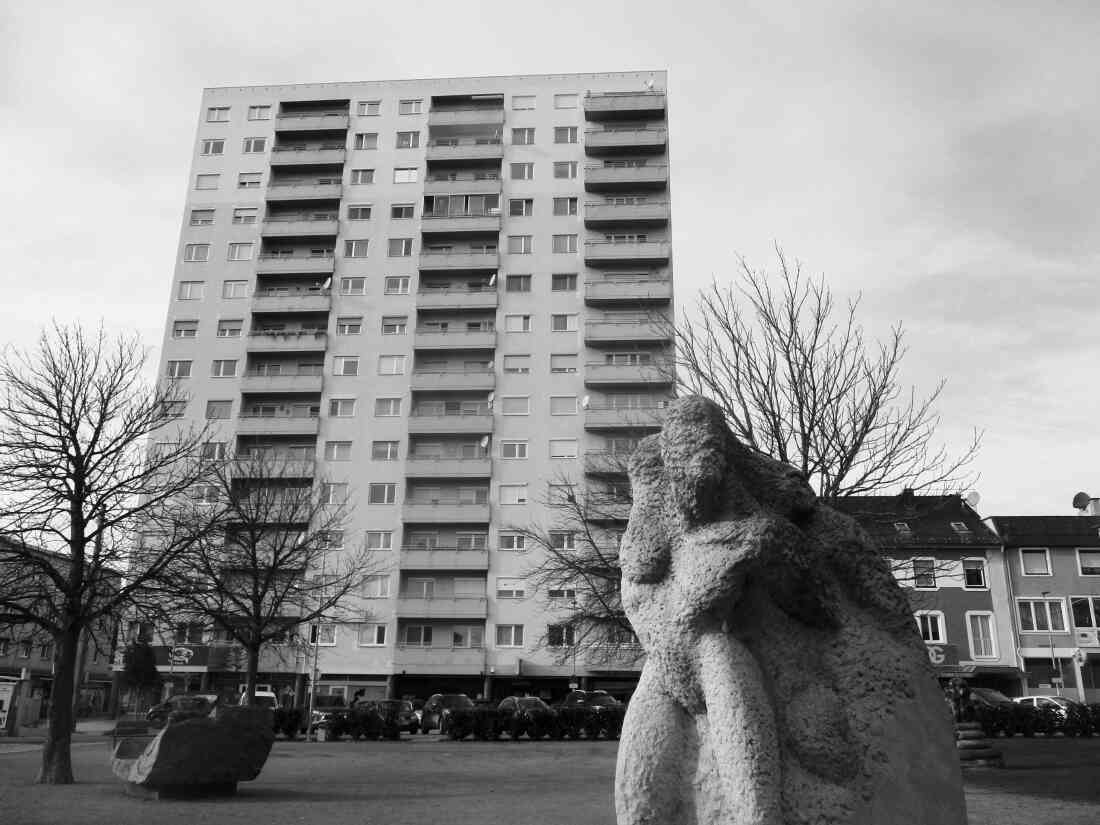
(444, 558)
(445, 511)
(643, 290)
(297, 299)
(612, 418)
(302, 121)
(294, 155)
(305, 340)
(600, 141)
(305, 382)
(460, 258)
(601, 373)
(306, 224)
(467, 183)
(277, 425)
(637, 252)
(488, 221)
(434, 420)
(412, 605)
(601, 105)
(602, 462)
(465, 149)
(440, 467)
(326, 189)
(471, 116)
(453, 379)
(297, 263)
(646, 213)
(434, 660)
(647, 330)
(435, 338)
(619, 178)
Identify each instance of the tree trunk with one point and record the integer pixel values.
(250, 674)
(57, 763)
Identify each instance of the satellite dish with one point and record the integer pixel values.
(491, 397)
(493, 279)
(649, 83)
(484, 441)
(972, 498)
(1081, 501)
(584, 403)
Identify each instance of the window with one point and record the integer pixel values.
(202, 217)
(519, 245)
(513, 449)
(517, 364)
(400, 247)
(523, 137)
(337, 451)
(376, 587)
(213, 147)
(230, 328)
(563, 540)
(406, 175)
(1041, 615)
(244, 216)
(384, 450)
(471, 541)
(345, 365)
(402, 211)
(240, 252)
(521, 207)
(234, 289)
(322, 635)
(509, 635)
(515, 405)
(334, 492)
(509, 588)
(924, 573)
(191, 290)
(353, 286)
(384, 407)
(196, 252)
(213, 451)
(349, 325)
(379, 539)
(409, 107)
(341, 407)
(391, 364)
(368, 108)
(522, 171)
(397, 285)
(512, 542)
(418, 635)
(1086, 611)
(223, 368)
(259, 113)
(1035, 561)
(563, 323)
(366, 140)
(565, 134)
(1088, 562)
(565, 101)
(372, 635)
(174, 409)
(178, 369)
(206, 181)
(185, 329)
(563, 448)
(254, 145)
(362, 176)
(517, 323)
(249, 180)
(217, 114)
(563, 363)
(359, 212)
(218, 410)
(563, 405)
(513, 493)
(408, 140)
(565, 169)
(563, 593)
(973, 573)
(565, 206)
(559, 635)
(395, 324)
(381, 493)
(983, 640)
(356, 248)
(565, 243)
(930, 623)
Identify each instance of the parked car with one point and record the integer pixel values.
(395, 716)
(182, 706)
(482, 720)
(331, 713)
(998, 714)
(528, 714)
(591, 713)
(437, 710)
(1059, 714)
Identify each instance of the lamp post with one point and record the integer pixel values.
(1055, 663)
(573, 684)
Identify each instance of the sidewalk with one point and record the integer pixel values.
(85, 728)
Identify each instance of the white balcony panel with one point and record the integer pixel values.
(625, 104)
(455, 339)
(450, 513)
(287, 342)
(281, 383)
(450, 424)
(648, 214)
(267, 425)
(284, 156)
(295, 264)
(459, 260)
(448, 467)
(613, 332)
(439, 660)
(645, 252)
(304, 191)
(300, 123)
(600, 140)
(649, 291)
(453, 380)
(457, 298)
(454, 224)
(466, 151)
(442, 607)
(614, 418)
(466, 117)
(596, 375)
(302, 228)
(440, 559)
(462, 186)
(304, 302)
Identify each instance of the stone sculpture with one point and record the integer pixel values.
(785, 682)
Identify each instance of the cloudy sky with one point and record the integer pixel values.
(938, 157)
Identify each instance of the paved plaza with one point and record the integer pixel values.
(425, 780)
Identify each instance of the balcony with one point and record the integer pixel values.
(649, 291)
(453, 379)
(624, 418)
(459, 259)
(273, 467)
(625, 178)
(457, 297)
(442, 607)
(640, 331)
(304, 300)
(603, 463)
(456, 468)
(465, 149)
(318, 121)
(446, 660)
(654, 213)
(303, 383)
(470, 184)
(308, 155)
(466, 117)
(306, 225)
(277, 425)
(294, 341)
(449, 511)
(601, 374)
(459, 338)
(473, 222)
(443, 558)
(432, 422)
(597, 253)
(611, 105)
(610, 141)
(304, 191)
(296, 264)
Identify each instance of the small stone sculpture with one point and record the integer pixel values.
(785, 682)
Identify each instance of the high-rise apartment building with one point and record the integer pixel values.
(442, 294)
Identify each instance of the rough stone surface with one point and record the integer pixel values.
(212, 752)
(785, 682)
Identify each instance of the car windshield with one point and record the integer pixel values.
(531, 702)
(990, 695)
(457, 700)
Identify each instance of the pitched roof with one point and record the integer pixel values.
(1049, 531)
(909, 520)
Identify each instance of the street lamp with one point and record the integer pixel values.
(573, 684)
(1055, 663)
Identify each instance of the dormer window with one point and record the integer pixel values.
(902, 527)
(960, 527)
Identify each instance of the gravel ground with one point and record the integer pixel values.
(429, 780)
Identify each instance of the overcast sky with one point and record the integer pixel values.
(940, 158)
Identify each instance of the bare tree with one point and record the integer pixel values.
(275, 562)
(797, 380)
(77, 481)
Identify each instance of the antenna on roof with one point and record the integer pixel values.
(1081, 501)
(972, 498)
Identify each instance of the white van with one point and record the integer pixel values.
(264, 699)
